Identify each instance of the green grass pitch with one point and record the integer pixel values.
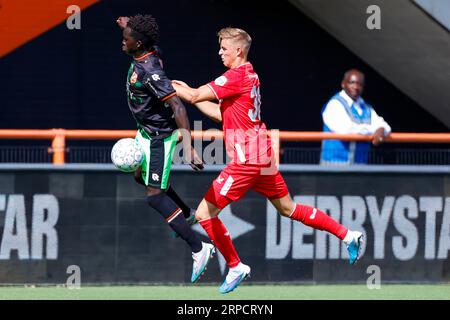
(243, 292)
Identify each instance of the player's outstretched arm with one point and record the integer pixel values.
(200, 98)
(193, 95)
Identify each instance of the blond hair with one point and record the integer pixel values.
(237, 35)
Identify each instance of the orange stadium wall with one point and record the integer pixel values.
(99, 221)
(55, 77)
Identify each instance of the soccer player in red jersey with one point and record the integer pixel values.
(252, 160)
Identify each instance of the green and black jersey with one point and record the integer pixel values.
(147, 89)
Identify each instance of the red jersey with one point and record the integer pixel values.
(246, 136)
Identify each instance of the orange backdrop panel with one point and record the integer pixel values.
(23, 20)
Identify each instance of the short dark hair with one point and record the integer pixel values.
(350, 71)
(144, 28)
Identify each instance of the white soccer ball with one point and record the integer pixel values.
(127, 155)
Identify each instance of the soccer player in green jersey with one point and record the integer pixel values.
(159, 115)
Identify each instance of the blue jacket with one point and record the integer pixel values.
(348, 152)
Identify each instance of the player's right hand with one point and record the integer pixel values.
(195, 161)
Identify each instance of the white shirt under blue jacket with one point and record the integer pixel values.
(343, 115)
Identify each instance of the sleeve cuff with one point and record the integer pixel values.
(214, 91)
(170, 95)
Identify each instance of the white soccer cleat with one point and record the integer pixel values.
(234, 277)
(201, 260)
(353, 241)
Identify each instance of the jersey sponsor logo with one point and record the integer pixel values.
(220, 81)
(156, 77)
(155, 177)
(219, 179)
(133, 78)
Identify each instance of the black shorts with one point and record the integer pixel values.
(155, 169)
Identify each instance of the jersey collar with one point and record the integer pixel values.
(145, 55)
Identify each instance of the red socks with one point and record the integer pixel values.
(220, 236)
(317, 219)
(310, 216)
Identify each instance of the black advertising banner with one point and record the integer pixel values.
(54, 223)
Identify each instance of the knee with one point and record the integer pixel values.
(287, 209)
(199, 215)
(206, 211)
(154, 196)
(154, 191)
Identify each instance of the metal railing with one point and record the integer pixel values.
(381, 155)
(58, 149)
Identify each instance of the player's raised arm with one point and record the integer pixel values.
(200, 98)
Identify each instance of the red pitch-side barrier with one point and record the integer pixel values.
(59, 137)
